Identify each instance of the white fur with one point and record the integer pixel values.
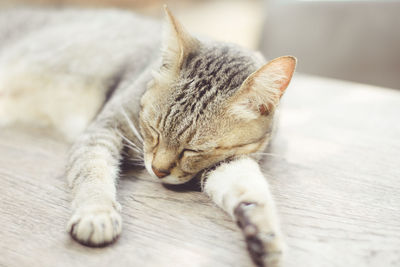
(242, 181)
(238, 181)
(96, 223)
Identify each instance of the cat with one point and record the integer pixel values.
(120, 87)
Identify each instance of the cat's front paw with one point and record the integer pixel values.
(95, 225)
(263, 243)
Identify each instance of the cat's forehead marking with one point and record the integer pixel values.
(207, 78)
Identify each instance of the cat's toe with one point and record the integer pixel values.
(95, 226)
(265, 252)
(265, 246)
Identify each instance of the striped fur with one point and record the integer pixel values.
(207, 79)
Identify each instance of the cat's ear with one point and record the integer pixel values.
(260, 92)
(177, 42)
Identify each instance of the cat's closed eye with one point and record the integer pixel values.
(153, 135)
(190, 152)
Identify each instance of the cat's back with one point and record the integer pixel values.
(58, 65)
(22, 20)
(77, 41)
(17, 24)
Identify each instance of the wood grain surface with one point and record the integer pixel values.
(334, 169)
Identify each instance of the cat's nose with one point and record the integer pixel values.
(160, 173)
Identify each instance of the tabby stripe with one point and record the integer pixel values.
(209, 63)
(191, 135)
(230, 79)
(159, 118)
(166, 116)
(217, 68)
(184, 129)
(195, 67)
(189, 58)
(209, 100)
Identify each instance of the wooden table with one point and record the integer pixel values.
(334, 170)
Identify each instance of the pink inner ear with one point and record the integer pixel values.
(261, 91)
(285, 64)
(284, 84)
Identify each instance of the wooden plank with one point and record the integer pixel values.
(333, 168)
(336, 176)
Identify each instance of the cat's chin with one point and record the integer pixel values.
(171, 179)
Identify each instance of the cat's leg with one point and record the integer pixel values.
(241, 190)
(92, 174)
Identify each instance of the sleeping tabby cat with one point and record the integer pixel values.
(184, 107)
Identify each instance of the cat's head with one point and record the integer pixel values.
(208, 102)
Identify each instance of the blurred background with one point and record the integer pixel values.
(344, 39)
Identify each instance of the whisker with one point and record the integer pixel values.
(267, 154)
(137, 162)
(135, 159)
(130, 144)
(139, 154)
(133, 148)
(131, 125)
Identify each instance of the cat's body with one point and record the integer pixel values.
(58, 67)
(198, 103)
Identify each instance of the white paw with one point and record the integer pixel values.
(264, 244)
(95, 225)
